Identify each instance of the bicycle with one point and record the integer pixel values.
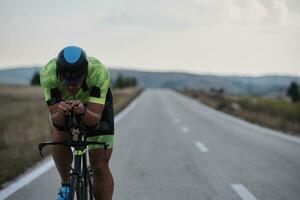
(81, 175)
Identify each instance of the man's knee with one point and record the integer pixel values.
(99, 160)
(101, 170)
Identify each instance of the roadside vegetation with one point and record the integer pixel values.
(24, 124)
(124, 82)
(275, 113)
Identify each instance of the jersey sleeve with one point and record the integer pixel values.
(100, 86)
(48, 85)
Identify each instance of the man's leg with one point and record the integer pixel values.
(62, 155)
(103, 179)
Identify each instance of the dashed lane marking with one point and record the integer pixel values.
(202, 147)
(243, 192)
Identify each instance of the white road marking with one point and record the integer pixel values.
(27, 178)
(202, 147)
(128, 108)
(176, 120)
(243, 192)
(185, 129)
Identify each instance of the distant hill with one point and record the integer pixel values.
(18, 76)
(261, 85)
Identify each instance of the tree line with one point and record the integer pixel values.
(123, 82)
(293, 92)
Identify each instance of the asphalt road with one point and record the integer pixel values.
(170, 147)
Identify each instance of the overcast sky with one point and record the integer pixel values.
(240, 37)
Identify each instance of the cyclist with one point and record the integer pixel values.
(74, 82)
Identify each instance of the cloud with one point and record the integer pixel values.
(143, 14)
(190, 33)
(241, 13)
(261, 13)
(282, 11)
(247, 11)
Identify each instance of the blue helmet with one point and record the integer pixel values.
(71, 65)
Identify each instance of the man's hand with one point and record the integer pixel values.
(77, 106)
(64, 107)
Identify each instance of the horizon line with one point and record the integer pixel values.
(128, 68)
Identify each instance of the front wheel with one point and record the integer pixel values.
(88, 183)
(90, 186)
(76, 188)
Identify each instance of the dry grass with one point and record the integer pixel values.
(24, 124)
(277, 114)
(123, 96)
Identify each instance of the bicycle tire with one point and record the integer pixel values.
(73, 183)
(90, 186)
(76, 189)
(80, 191)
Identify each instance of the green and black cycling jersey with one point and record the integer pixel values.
(95, 89)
